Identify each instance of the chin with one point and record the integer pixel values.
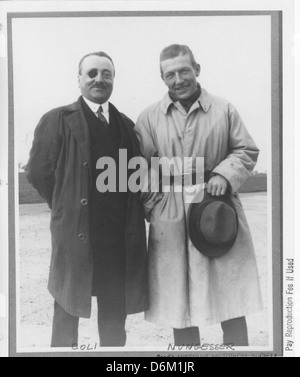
(100, 99)
(184, 96)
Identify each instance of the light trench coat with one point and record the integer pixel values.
(187, 288)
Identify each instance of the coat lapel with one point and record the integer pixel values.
(125, 136)
(79, 128)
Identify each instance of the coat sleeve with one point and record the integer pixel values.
(242, 153)
(148, 150)
(44, 156)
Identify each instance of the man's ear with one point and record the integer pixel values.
(198, 70)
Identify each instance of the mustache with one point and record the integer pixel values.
(100, 86)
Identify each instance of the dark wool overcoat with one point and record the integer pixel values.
(60, 169)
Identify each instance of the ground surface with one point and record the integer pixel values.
(36, 304)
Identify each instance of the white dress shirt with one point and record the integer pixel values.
(95, 107)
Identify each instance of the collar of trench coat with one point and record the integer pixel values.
(204, 100)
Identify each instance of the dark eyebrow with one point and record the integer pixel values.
(184, 69)
(96, 69)
(169, 73)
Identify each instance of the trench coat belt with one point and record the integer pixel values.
(186, 179)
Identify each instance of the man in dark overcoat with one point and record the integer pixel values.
(98, 237)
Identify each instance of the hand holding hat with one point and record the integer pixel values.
(217, 185)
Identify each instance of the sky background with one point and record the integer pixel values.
(234, 53)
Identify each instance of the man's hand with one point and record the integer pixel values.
(217, 185)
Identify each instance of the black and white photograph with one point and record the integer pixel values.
(110, 252)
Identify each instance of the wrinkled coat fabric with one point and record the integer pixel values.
(60, 169)
(187, 288)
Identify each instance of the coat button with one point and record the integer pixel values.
(84, 202)
(86, 165)
(81, 236)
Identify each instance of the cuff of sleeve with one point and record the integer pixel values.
(149, 202)
(236, 174)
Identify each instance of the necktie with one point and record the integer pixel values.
(102, 117)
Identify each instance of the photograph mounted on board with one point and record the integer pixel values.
(111, 254)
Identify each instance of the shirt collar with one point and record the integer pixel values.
(205, 100)
(95, 106)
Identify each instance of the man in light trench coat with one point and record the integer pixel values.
(187, 289)
(98, 237)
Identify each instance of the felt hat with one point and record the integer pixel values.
(213, 225)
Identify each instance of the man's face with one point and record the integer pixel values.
(96, 79)
(180, 76)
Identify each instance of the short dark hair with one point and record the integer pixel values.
(175, 50)
(102, 54)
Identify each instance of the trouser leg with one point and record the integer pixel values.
(189, 336)
(111, 325)
(65, 328)
(236, 332)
